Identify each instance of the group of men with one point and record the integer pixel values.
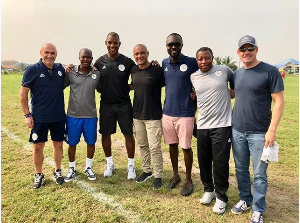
(251, 127)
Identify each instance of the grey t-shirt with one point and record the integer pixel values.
(82, 93)
(213, 98)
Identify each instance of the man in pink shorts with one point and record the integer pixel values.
(178, 112)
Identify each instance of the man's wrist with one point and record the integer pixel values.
(28, 115)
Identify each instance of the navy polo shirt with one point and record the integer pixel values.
(178, 102)
(47, 97)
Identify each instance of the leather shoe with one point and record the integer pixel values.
(187, 189)
(173, 183)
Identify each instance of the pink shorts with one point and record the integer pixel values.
(178, 130)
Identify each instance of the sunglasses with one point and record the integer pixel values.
(176, 44)
(50, 74)
(250, 49)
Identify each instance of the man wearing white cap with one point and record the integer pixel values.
(254, 125)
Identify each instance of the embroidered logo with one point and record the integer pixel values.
(94, 76)
(166, 69)
(34, 136)
(59, 73)
(183, 67)
(218, 73)
(121, 67)
(104, 67)
(42, 75)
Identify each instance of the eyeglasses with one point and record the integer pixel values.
(176, 44)
(250, 49)
(50, 74)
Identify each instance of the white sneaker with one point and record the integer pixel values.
(219, 206)
(257, 217)
(131, 172)
(109, 170)
(207, 197)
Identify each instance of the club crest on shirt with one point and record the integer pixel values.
(34, 136)
(94, 76)
(42, 75)
(59, 73)
(218, 73)
(121, 67)
(183, 67)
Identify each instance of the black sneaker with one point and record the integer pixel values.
(143, 177)
(57, 176)
(157, 184)
(39, 179)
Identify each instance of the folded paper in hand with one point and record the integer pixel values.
(270, 154)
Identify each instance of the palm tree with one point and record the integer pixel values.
(227, 60)
(218, 60)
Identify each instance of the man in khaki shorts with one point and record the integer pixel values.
(178, 113)
(147, 81)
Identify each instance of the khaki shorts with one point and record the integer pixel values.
(178, 130)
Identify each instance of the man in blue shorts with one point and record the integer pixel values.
(178, 112)
(45, 81)
(254, 125)
(82, 113)
(115, 104)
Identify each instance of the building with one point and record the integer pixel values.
(290, 66)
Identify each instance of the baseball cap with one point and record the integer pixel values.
(247, 39)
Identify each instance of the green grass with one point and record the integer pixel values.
(70, 203)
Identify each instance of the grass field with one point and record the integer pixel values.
(118, 200)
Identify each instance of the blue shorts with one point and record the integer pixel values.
(76, 126)
(39, 133)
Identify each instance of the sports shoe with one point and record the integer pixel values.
(70, 175)
(57, 176)
(157, 184)
(109, 170)
(257, 217)
(207, 197)
(143, 177)
(39, 179)
(90, 174)
(131, 172)
(219, 206)
(240, 207)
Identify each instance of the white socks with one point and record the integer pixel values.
(88, 163)
(130, 161)
(109, 160)
(72, 164)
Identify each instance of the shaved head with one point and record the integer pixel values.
(86, 51)
(141, 46)
(48, 53)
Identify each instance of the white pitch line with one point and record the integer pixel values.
(96, 194)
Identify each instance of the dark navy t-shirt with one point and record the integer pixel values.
(147, 92)
(47, 97)
(253, 89)
(114, 75)
(178, 102)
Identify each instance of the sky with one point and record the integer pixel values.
(75, 24)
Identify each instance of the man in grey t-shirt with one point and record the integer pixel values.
(82, 113)
(214, 127)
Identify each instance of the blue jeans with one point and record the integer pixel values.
(245, 145)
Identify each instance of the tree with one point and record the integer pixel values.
(227, 60)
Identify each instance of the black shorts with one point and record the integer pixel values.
(39, 133)
(110, 114)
